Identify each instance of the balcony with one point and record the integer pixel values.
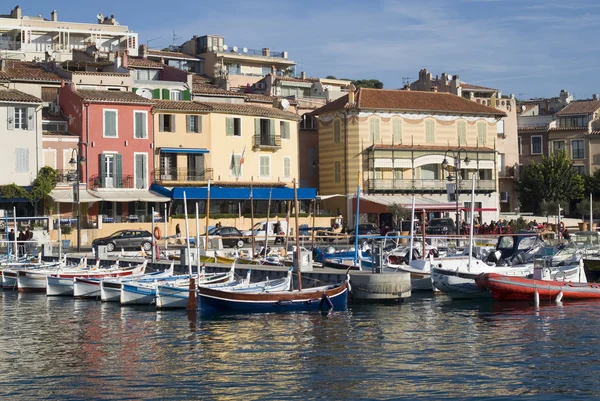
(183, 175)
(10, 45)
(267, 142)
(66, 178)
(100, 181)
(426, 186)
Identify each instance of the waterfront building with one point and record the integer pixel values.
(506, 140)
(178, 60)
(35, 79)
(35, 38)
(116, 143)
(393, 143)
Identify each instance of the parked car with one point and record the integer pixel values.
(259, 230)
(365, 229)
(441, 225)
(126, 239)
(230, 236)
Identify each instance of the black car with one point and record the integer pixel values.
(126, 239)
(231, 236)
(441, 226)
(366, 229)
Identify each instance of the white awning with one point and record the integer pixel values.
(421, 202)
(129, 195)
(66, 196)
(325, 197)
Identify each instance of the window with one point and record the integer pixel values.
(307, 123)
(50, 158)
(336, 131)
(580, 169)
(54, 127)
(166, 122)
(378, 174)
(481, 133)
(284, 129)
(558, 145)
(461, 128)
(375, 137)
(147, 75)
(337, 172)
(193, 124)
(235, 167)
(110, 124)
(265, 166)
(577, 149)
(168, 166)
(536, 145)
(175, 95)
(574, 122)
(287, 167)
(264, 130)
(111, 170)
(500, 127)
(430, 172)
(520, 146)
(233, 126)
(398, 174)
(22, 158)
(429, 131)
(140, 124)
(20, 118)
(141, 170)
(396, 131)
(504, 197)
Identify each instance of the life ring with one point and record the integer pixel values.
(157, 232)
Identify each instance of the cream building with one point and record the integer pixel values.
(393, 144)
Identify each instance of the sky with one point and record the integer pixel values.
(530, 48)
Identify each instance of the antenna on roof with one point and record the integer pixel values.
(245, 50)
(405, 81)
(175, 37)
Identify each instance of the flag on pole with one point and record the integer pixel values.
(242, 157)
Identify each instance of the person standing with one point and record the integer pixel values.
(178, 233)
(276, 231)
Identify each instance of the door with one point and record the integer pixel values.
(141, 170)
(168, 166)
(196, 167)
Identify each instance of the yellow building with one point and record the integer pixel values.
(394, 143)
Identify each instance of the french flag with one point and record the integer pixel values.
(242, 158)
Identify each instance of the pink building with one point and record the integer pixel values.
(116, 147)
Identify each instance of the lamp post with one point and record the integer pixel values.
(78, 160)
(457, 158)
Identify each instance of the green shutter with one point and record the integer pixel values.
(102, 169)
(375, 138)
(155, 93)
(397, 131)
(481, 131)
(118, 171)
(229, 126)
(272, 128)
(199, 127)
(257, 126)
(161, 122)
(462, 133)
(188, 127)
(165, 94)
(134, 90)
(429, 131)
(11, 118)
(187, 95)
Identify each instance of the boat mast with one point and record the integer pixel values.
(252, 221)
(412, 231)
(207, 217)
(287, 222)
(198, 240)
(16, 229)
(267, 225)
(296, 232)
(471, 221)
(356, 218)
(187, 235)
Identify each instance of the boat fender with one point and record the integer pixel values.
(157, 232)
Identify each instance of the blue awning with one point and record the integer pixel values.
(183, 150)
(223, 193)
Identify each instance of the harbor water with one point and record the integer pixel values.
(427, 347)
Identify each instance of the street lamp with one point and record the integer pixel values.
(78, 160)
(457, 158)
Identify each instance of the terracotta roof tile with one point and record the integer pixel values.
(257, 97)
(201, 79)
(247, 109)
(387, 99)
(465, 85)
(114, 97)
(181, 105)
(13, 95)
(139, 62)
(580, 107)
(47, 116)
(27, 71)
(160, 53)
(102, 73)
(431, 147)
(203, 89)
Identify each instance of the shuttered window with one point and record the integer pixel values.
(265, 166)
(397, 131)
(429, 131)
(193, 124)
(50, 158)
(22, 160)
(375, 137)
(337, 131)
(233, 126)
(141, 124)
(110, 123)
(482, 133)
(337, 172)
(287, 167)
(141, 170)
(284, 129)
(235, 167)
(462, 132)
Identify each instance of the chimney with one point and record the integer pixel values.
(303, 75)
(2, 64)
(16, 13)
(54, 15)
(125, 62)
(143, 51)
(434, 88)
(351, 94)
(266, 52)
(595, 96)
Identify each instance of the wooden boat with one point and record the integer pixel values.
(56, 285)
(34, 279)
(506, 288)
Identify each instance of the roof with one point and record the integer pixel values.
(392, 99)
(201, 79)
(140, 62)
(250, 110)
(431, 147)
(166, 54)
(579, 107)
(28, 71)
(47, 116)
(203, 89)
(102, 73)
(257, 97)
(465, 85)
(297, 79)
(13, 95)
(181, 105)
(115, 97)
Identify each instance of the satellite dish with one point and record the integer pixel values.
(245, 50)
(100, 17)
(285, 104)
(146, 93)
(215, 48)
(225, 47)
(235, 49)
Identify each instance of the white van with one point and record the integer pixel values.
(259, 230)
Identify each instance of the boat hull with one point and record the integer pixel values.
(9, 280)
(31, 282)
(59, 286)
(137, 295)
(86, 288)
(110, 291)
(168, 297)
(506, 288)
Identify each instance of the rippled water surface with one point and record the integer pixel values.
(426, 347)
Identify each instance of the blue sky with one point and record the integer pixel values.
(530, 48)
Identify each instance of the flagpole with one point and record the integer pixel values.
(267, 224)
(252, 221)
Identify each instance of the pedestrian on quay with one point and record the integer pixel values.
(11, 235)
(178, 233)
(566, 234)
(20, 242)
(277, 230)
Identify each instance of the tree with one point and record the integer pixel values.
(368, 83)
(583, 208)
(398, 212)
(330, 77)
(553, 180)
(592, 184)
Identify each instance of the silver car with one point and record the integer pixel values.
(126, 239)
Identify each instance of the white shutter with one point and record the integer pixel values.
(30, 123)
(11, 118)
(265, 166)
(50, 158)
(22, 160)
(287, 167)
